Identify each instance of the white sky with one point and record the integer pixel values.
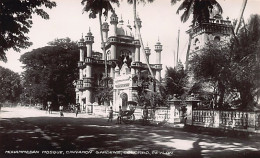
(159, 19)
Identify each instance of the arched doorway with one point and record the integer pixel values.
(124, 98)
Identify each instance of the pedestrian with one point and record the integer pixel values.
(120, 113)
(145, 115)
(110, 115)
(77, 109)
(49, 107)
(61, 111)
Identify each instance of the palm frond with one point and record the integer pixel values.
(173, 2)
(188, 10)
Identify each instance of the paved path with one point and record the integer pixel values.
(26, 130)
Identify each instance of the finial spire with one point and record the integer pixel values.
(121, 21)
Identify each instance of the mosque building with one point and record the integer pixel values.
(123, 63)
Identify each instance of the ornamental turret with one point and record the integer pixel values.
(147, 51)
(158, 50)
(82, 49)
(89, 39)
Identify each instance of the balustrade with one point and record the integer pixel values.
(239, 120)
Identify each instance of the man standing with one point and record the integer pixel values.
(110, 115)
(120, 113)
(77, 109)
(49, 106)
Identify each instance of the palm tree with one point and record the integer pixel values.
(240, 16)
(94, 7)
(139, 33)
(201, 12)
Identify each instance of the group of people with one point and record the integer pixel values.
(77, 109)
(119, 117)
(49, 109)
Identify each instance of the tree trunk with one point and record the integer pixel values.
(140, 38)
(246, 98)
(221, 88)
(240, 16)
(103, 45)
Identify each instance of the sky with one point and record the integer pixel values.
(159, 21)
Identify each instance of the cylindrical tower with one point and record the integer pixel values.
(139, 23)
(113, 22)
(82, 48)
(137, 50)
(87, 80)
(105, 29)
(158, 50)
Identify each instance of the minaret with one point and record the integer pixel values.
(136, 64)
(114, 22)
(113, 39)
(87, 81)
(82, 48)
(136, 41)
(105, 29)
(147, 51)
(158, 50)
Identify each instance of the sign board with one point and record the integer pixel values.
(122, 82)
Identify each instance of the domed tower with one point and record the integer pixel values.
(158, 65)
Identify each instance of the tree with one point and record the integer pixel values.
(245, 63)
(212, 65)
(146, 95)
(176, 79)
(104, 93)
(10, 88)
(50, 72)
(16, 20)
(65, 43)
(139, 33)
(200, 10)
(94, 7)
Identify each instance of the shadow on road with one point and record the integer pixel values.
(81, 134)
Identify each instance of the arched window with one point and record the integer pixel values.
(125, 54)
(197, 43)
(108, 55)
(216, 39)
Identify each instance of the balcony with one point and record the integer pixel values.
(79, 84)
(88, 60)
(81, 64)
(87, 82)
